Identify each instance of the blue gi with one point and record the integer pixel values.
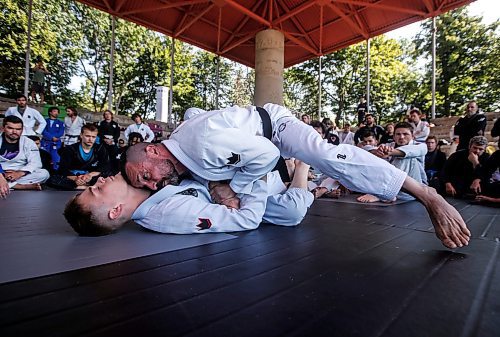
(54, 128)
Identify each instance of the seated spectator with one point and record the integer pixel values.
(318, 183)
(20, 157)
(491, 183)
(406, 154)
(368, 140)
(82, 163)
(472, 124)
(330, 125)
(134, 138)
(52, 135)
(388, 136)
(4, 184)
(121, 143)
(72, 126)
(345, 135)
(45, 157)
(371, 126)
(421, 128)
(434, 162)
(495, 132)
(140, 127)
(464, 171)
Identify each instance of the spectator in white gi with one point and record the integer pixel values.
(406, 154)
(4, 184)
(29, 116)
(72, 126)
(421, 129)
(346, 136)
(20, 157)
(228, 144)
(187, 208)
(141, 128)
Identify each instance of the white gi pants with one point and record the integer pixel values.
(355, 168)
(38, 176)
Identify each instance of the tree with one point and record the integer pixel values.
(467, 60)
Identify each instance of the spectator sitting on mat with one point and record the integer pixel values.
(20, 157)
(45, 157)
(434, 162)
(406, 154)
(82, 163)
(464, 171)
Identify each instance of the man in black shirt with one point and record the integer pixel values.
(434, 162)
(82, 163)
(464, 173)
(369, 126)
(472, 124)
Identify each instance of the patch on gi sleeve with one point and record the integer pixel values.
(204, 224)
(189, 191)
(234, 159)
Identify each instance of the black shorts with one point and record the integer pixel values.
(39, 88)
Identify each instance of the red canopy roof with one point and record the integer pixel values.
(311, 28)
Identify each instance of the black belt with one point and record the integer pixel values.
(71, 136)
(268, 133)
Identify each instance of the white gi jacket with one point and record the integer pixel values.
(227, 144)
(28, 158)
(413, 163)
(30, 117)
(143, 129)
(72, 129)
(421, 131)
(187, 209)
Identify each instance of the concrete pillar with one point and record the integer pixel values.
(269, 62)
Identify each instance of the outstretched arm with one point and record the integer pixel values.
(448, 223)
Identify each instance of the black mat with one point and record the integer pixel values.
(346, 271)
(35, 239)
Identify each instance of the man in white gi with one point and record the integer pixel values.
(20, 157)
(141, 128)
(228, 144)
(421, 129)
(72, 126)
(28, 115)
(404, 153)
(187, 208)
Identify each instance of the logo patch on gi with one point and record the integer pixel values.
(234, 159)
(341, 156)
(282, 127)
(204, 224)
(189, 191)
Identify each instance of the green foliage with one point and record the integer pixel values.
(74, 40)
(467, 54)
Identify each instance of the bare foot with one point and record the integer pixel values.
(367, 198)
(35, 187)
